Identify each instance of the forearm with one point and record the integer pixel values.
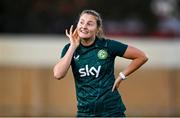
(134, 65)
(61, 68)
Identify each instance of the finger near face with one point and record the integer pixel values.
(71, 29)
(66, 32)
(75, 31)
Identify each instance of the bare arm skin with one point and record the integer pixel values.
(62, 67)
(138, 59)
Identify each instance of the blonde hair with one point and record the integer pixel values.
(100, 32)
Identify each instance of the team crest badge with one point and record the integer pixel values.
(102, 54)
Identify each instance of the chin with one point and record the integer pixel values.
(85, 37)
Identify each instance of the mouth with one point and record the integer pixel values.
(84, 31)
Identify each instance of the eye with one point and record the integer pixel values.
(90, 24)
(81, 22)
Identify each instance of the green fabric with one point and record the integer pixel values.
(93, 69)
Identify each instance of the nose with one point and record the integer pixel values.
(84, 25)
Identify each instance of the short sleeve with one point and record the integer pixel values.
(117, 48)
(64, 50)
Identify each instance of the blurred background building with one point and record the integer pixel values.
(32, 37)
(121, 17)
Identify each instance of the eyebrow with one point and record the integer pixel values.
(88, 21)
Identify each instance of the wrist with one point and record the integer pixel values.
(73, 47)
(122, 76)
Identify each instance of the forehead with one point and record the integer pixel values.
(88, 17)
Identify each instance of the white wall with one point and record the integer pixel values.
(42, 50)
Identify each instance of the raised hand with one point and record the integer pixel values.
(73, 37)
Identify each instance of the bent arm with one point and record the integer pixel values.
(138, 59)
(61, 68)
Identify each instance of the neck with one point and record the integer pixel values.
(87, 42)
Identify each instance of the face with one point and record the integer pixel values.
(87, 26)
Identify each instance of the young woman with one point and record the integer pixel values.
(92, 60)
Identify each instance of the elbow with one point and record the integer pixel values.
(58, 75)
(145, 58)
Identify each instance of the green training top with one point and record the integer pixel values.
(93, 70)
